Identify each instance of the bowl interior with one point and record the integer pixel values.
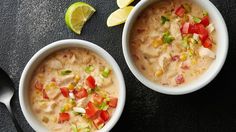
(205, 78)
(46, 51)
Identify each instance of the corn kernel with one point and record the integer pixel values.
(191, 52)
(158, 73)
(71, 86)
(47, 87)
(183, 57)
(156, 43)
(194, 61)
(52, 84)
(67, 107)
(164, 47)
(53, 119)
(72, 102)
(77, 78)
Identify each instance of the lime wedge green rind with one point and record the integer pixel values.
(77, 15)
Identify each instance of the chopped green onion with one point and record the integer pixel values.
(74, 128)
(62, 109)
(96, 89)
(106, 72)
(85, 128)
(167, 38)
(101, 126)
(89, 69)
(187, 7)
(107, 99)
(205, 13)
(72, 101)
(65, 72)
(103, 106)
(196, 20)
(164, 20)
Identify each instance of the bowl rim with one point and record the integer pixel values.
(63, 44)
(167, 89)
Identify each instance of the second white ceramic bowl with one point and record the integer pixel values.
(203, 80)
(42, 54)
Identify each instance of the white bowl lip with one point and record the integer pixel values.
(68, 43)
(185, 89)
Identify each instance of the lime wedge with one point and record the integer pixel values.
(123, 3)
(77, 15)
(119, 16)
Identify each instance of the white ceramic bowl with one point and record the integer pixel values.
(203, 80)
(44, 52)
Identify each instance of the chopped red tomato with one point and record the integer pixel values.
(97, 98)
(90, 81)
(63, 117)
(180, 11)
(199, 29)
(175, 58)
(91, 110)
(185, 66)
(45, 96)
(53, 79)
(185, 28)
(179, 79)
(98, 122)
(38, 85)
(193, 28)
(207, 43)
(81, 93)
(104, 115)
(203, 33)
(113, 102)
(65, 91)
(205, 21)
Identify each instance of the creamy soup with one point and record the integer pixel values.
(173, 42)
(73, 90)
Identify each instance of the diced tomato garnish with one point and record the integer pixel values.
(180, 11)
(185, 28)
(90, 81)
(97, 98)
(203, 33)
(205, 21)
(81, 93)
(65, 91)
(38, 85)
(104, 115)
(98, 122)
(185, 66)
(63, 117)
(180, 79)
(193, 28)
(207, 43)
(91, 110)
(53, 79)
(113, 102)
(199, 29)
(45, 96)
(175, 58)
